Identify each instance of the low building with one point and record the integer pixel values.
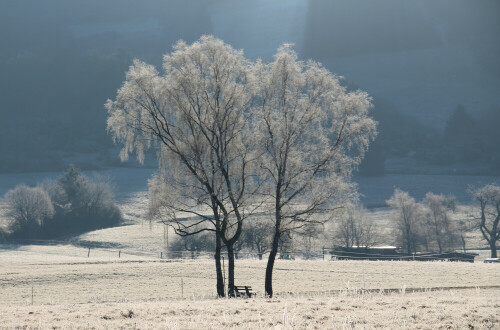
(391, 253)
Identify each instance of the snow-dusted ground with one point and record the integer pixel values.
(139, 278)
(456, 309)
(42, 289)
(123, 272)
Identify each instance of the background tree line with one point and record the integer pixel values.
(426, 226)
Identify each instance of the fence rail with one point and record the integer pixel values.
(90, 249)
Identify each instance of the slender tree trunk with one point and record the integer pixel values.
(493, 249)
(276, 241)
(269, 270)
(271, 259)
(218, 267)
(230, 281)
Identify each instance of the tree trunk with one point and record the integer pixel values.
(408, 241)
(230, 281)
(493, 249)
(270, 262)
(218, 267)
(260, 256)
(276, 241)
(269, 272)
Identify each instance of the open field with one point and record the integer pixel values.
(72, 290)
(470, 309)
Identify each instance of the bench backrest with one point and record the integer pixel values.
(243, 289)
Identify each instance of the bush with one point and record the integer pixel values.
(84, 204)
(29, 209)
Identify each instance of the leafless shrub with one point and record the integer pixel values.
(28, 208)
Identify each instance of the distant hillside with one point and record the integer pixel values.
(61, 60)
(425, 56)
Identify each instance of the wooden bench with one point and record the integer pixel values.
(243, 291)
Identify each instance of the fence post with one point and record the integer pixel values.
(119, 252)
(32, 295)
(161, 254)
(88, 254)
(182, 287)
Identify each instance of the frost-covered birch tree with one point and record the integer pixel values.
(407, 216)
(313, 133)
(355, 228)
(198, 115)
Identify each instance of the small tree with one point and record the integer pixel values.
(28, 209)
(407, 216)
(193, 244)
(310, 234)
(442, 231)
(463, 227)
(488, 220)
(82, 203)
(354, 228)
(257, 237)
(71, 184)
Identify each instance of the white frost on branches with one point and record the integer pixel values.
(313, 134)
(235, 135)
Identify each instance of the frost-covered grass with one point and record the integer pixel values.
(71, 290)
(467, 309)
(102, 277)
